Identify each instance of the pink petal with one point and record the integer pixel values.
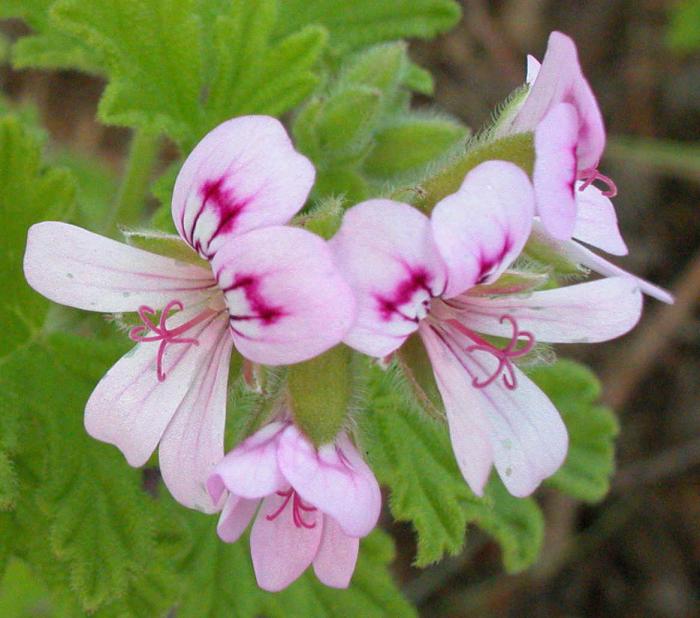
(281, 551)
(533, 69)
(483, 227)
(470, 430)
(578, 253)
(250, 470)
(335, 561)
(333, 478)
(130, 408)
(555, 170)
(74, 267)
(582, 313)
(596, 221)
(560, 80)
(235, 517)
(243, 175)
(387, 253)
(193, 442)
(286, 298)
(528, 438)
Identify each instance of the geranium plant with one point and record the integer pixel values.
(363, 297)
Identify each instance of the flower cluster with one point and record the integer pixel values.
(280, 294)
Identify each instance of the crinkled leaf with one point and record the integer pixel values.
(590, 462)
(47, 47)
(99, 524)
(252, 74)
(30, 192)
(221, 582)
(411, 454)
(153, 54)
(364, 22)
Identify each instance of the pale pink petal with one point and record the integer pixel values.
(554, 173)
(528, 438)
(130, 408)
(533, 69)
(596, 221)
(578, 253)
(560, 80)
(582, 313)
(281, 550)
(483, 227)
(250, 470)
(243, 175)
(387, 253)
(470, 430)
(286, 298)
(235, 517)
(335, 561)
(193, 442)
(74, 267)
(333, 478)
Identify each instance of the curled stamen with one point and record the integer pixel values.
(503, 355)
(591, 175)
(298, 509)
(162, 332)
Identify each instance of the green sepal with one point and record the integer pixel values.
(324, 219)
(543, 250)
(167, 245)
(518, 149)
(512, 282)
(321, 392)
(417, 369)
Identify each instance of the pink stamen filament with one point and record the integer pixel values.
(503, 355)
(163, 333)
(591, 175)
(298, 509)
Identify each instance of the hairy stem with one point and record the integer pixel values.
(128, 207)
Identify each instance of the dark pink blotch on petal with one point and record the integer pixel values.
(554, 174)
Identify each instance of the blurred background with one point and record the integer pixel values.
(638, 552)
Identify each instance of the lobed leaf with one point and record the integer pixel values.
(590, 463)
(365, 22)
(152, 53)
(411, 454)
(222, 583)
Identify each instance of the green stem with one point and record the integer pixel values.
(128, 207)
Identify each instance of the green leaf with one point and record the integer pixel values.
(47, 48)
(30, 193)
(254, 76)
(408, 144)
(153, 53)
(412, 455)
(221, 582)
(99, 527)
(365, 22)
(590, 463)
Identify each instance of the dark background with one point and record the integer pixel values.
(637, 553)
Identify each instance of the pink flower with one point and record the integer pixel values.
(569, 141)
(271, 291)
(439, 277)
(313, 505)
